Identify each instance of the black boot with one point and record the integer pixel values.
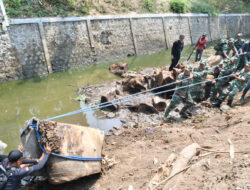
(229, 102)
(218, 103)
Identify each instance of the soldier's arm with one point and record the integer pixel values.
(225, 54)
(235, 51)
(240, 79)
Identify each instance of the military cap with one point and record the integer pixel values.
(188, 68)
(239, 35)
(204, 34)
(182, 36)
(223, 41)
(15, 155)
(247, 64)
(203, 62)
(231, 40)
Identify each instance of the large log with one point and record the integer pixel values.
(109, 95)
(159, 103)
(181, 163)
(135, 84)
(118, 68)
(66, 139)
(214, 60)
(143, 105)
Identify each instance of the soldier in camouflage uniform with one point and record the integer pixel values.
(239, 43)
(221, 48)
(181, 95)
(200, 74)
(229, 68)
(237, 85)
(230, 46)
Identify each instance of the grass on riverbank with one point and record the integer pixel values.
(47, 8)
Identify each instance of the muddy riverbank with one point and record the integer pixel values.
(55, 94)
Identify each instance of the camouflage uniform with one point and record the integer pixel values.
(231, 47)
(221, 48)
(238, 44)
(234, 88)
(198, 91)
(181, 96)
(228, 68)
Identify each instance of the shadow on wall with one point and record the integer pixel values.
(63, 50)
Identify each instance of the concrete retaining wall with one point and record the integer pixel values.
(46, 45)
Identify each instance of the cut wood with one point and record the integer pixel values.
(108, 96)
(134, 84)
(159, 103)
(181, 162)
(143, 105)
(214, 60)
(170, 177)
(162, 172)
(119, 68)
(231, 149)
(226, 152)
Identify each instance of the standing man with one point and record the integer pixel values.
(231, 46)
(238, 43)
(201, 45)
(245, 56)
(181, 95)
(176, 51)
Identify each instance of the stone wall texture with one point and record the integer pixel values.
(112, 39)
(68, 45)
(34, 47)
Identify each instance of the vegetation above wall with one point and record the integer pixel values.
(47, 8)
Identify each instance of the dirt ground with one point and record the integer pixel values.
(135, 153)
(139, 152)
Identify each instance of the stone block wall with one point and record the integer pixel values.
(198, 26)
(10, 69)
(112, 39)
(32, 47)
(149, 35)
(26, 41)
(68, 45)
(176, 25)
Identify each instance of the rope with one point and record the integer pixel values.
(107, 104)
(35, 125)
(115, 100)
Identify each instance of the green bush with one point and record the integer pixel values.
(180, 6)
(14, 3)
(204, 7)
(149, 5)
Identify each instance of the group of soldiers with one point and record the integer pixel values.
(231, 76)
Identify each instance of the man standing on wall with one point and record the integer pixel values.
(176, 51)
(201, 45)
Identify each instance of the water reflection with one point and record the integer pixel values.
(94, 120)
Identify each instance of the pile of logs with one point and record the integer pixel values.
(148, 79)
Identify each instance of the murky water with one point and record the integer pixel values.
(54, 95)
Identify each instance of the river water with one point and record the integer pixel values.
(52, 95)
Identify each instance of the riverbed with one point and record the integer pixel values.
(55, 94)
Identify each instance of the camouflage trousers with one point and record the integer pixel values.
(176, 100)
(198, 93)
(243, 59)
(217, 90)
(230, 91)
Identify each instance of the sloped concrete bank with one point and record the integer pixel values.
(34, 47)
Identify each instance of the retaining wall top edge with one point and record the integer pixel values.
(107, 17)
